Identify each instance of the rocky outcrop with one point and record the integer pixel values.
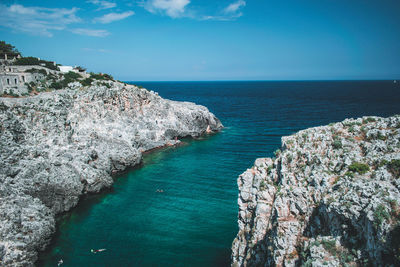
(57, 146)
(330, 197)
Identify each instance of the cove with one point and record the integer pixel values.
(141, 227)
(193, 222)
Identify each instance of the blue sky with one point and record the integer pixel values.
(211, 40)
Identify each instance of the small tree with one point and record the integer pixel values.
(8, 49)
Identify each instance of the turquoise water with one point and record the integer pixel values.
(193, 222)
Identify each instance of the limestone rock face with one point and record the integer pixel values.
(330, 197)
(57, 146)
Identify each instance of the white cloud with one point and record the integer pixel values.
(100, 50)
(234, 7)
(172, 8)
(221, 18)
(110, 17)
(37, 20)
(102, 4)
(90, 32)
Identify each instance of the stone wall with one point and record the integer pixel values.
(13, 78)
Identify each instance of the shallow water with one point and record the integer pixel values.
(193, 222)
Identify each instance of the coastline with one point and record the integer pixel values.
(328, 197)
(88, 200)
(161, 119)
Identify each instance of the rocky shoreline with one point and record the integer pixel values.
(57, 146)
(330, 197)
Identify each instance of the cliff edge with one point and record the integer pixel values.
(57, 146)
(329, 198)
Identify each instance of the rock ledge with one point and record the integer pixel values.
(57, 146)
(329, 198)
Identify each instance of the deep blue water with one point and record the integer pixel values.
(195, 220)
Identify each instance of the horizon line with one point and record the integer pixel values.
(300, 80)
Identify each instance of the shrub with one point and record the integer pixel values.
(380, 215)
(380, 136)
(337, 144)
(87, 82)
(11, 93)
(35, 61)
(40, 71)
(330, 246)
(394, 167)
(361, 168)
(72, 75)
(56, 85)
(99, 76)
(262, 185)
(105, 84)
(8, 49)
(29, 86)
(369, 119)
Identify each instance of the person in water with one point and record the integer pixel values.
(97, 250)
(60, 262)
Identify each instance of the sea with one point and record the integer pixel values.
(194, 220)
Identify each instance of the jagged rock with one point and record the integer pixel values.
(57, 146)
(329, 198)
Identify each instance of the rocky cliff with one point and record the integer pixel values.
(330, 197)
(57, 146)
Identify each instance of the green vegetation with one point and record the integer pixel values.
(337, 143)
(382, 163)
(394, 167)
(262, 185)
(105, 84)
(381, 136)
(369, 119)
(69, 77)
(8, 49)
(11, 93)
(330, 246)
(40, 71)
(352, 123)
(361, 168)
(80, 69)
(35, 61)
(101, 76)
(380, 215)
(269, 169)
(72, 76)
(56, 85)
(30, 87)
(87, 82)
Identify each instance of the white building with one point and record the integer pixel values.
(65, 69)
